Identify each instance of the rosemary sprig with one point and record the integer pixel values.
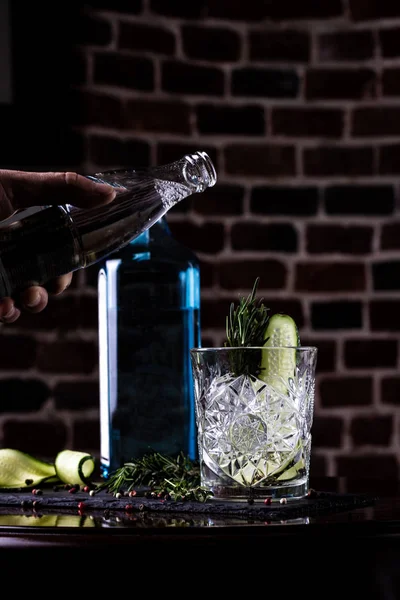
(175, 478)
(245, 326)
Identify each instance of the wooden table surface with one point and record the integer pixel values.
(353, 546)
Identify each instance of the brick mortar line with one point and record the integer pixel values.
(347, 441)
(291, 275)
(246, 207)
(374, 221)
(124, 93)
(271, 140)
(316, 259)
(323, 336)
(314, 64)
(307, 181)
(323, 25)
(225, 141)
(314, 47)
(300, 227)
(346, 412)
(380, 373)
(365, 310)
(356, 451)
(347, 122)
(157, 76)
(51, 336)
(340, 338)
(148, 16)
(379, 407)
(376, 236)
(321, 219)
(115, 29)
(51, 379)
(218, 293)
(298, 160)
(396, 428)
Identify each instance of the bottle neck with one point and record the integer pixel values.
(143, 197)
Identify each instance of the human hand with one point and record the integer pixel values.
(23, 189)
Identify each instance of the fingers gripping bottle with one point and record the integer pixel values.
(36, 246)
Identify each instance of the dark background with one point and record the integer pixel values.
(298, 105)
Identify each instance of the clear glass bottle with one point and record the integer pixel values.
(149, 318)
(38, 246)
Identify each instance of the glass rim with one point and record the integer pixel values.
(226, 348)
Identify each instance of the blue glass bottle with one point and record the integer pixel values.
(149, 318)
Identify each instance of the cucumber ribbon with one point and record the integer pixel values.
(21, 470)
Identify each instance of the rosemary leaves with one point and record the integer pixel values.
(245, 327)
(166, 477)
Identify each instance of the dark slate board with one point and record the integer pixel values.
(318, 503)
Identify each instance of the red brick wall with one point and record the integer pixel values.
(298, 105)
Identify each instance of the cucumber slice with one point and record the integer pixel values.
(18, 469)
(74, 467)
(279, 364)
(293, 471)
(281, 331)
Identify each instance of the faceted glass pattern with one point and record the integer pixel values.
(254, 416)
